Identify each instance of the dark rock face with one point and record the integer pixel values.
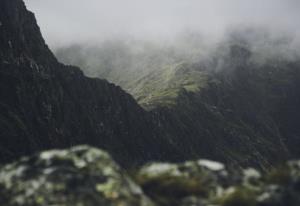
(246, 115)
(44, 104)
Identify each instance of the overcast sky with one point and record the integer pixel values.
(68, 21)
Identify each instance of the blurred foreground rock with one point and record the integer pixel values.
(81, 176)
(208, 183)
(84, 176)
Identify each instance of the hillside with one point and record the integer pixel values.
(226, 106)
(45, 104)
(237, 103)
(153, 73)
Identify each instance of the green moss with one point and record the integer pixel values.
(108, 188)
(240, 197)
(173, 186)
(280, 176)
(167, 190)
(40, 200)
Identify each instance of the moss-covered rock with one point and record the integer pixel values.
(80, 176)
(282, 186)
(86, 176)
(206, 183)
(238, 196)
(171, 184)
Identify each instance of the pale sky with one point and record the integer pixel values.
(69, 21)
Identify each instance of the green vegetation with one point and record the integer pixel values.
(154, 75)
(166, 190)
(174, 186)
(85, 175)
(241, 196)
(226, 106)
(279, 176)
(166, 85)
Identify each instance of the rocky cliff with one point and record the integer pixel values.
(45, 104)
(241, 113)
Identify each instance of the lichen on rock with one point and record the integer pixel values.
(79, 176)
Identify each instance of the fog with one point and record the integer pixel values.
(65, 22)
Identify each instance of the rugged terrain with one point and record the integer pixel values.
(45, 104)
(237, 103)
(88, 176)
(228, 107)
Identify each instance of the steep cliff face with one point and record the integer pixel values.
(44, 104)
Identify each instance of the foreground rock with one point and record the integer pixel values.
(86, 176)
(81, 176)
(188, 183)
(166, 183)
(207, 183)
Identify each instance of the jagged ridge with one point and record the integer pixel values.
(45, 104)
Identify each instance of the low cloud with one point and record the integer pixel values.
(65, 22)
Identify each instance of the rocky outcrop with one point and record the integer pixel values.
(79, 176)
(45, 104)
(177, 184)
(204, 183)
(84, 175)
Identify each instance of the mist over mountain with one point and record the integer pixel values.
(233, 100)
(226, 100)
(65, 22)
(142, 67)
(177, 100)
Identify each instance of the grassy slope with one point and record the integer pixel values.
(153, 74)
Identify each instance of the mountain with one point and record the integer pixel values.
(237, 103)
(245, 115)
(150, 71)
(45, 104)
(228, 106)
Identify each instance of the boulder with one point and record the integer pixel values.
(80, 176)
(191, 182)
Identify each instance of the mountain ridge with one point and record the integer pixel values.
(225, 107)
(241, 115)
(45, 104)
